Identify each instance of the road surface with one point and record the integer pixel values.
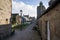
(27, 34)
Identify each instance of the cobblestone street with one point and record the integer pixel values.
(27, 34)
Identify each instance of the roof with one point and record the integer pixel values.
(26, 15)
(51, 7)
(14, 15)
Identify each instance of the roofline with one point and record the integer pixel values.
(51, 7)
(14, 14)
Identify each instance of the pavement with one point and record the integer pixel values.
(26, 34)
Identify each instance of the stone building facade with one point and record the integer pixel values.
(49, 22)
(5, 11)
(5, 18)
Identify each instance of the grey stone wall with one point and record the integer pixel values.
(5, 30)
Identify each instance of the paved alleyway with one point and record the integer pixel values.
(27, 34)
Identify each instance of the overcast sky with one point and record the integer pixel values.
(28, 6)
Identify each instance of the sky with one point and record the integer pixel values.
(29, 7)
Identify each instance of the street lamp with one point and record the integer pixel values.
(21, 18)
(21, 12)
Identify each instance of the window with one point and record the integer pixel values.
(7, 21)
(1, 9)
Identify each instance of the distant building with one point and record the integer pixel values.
(16, 18)
(23, 20)
(40, 9)
(26, 17)
(32, 19)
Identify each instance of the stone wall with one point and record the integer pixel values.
(5, 30)
(5, 11)
(53, 16)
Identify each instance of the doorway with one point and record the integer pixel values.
(48, 30)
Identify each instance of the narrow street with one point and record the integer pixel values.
(27, 34)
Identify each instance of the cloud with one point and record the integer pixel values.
(27, 9)
(18, 5)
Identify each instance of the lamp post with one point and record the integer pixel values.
(21, 18)
(21, 12)
(21, 15)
